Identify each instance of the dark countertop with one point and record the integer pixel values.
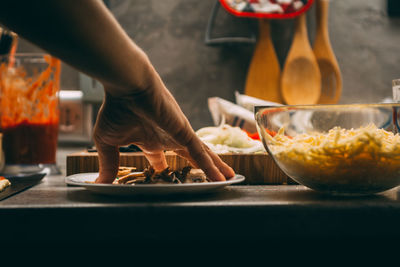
(53, 211)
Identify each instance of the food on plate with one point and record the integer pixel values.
(130, 178)
(122, 170)
(150, 176)
(4, 183)
(129, 175)
(364, 157)
(228, 139)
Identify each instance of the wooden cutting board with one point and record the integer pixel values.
(257, 168)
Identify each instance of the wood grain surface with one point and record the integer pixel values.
(257, 168)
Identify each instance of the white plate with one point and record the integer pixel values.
(81, 179)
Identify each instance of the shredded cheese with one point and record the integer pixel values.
(367, 156)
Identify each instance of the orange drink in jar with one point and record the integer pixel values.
(29, 108)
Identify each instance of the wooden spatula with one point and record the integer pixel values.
(264, 74)
(301, 78)
(330, 73)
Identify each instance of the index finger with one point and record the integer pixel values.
(108, 162)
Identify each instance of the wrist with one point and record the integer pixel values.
(138, 77)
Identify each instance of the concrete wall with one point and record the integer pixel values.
(365, 40)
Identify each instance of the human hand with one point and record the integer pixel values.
(152, 120)
(138, 109)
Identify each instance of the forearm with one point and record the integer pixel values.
(85, 35)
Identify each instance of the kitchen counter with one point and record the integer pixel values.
(53, 211)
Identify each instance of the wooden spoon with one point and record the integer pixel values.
(331, 87)
(301, 78)
(263, 76)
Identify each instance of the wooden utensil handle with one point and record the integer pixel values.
(264, 29)
(322, 15)
(301, 27)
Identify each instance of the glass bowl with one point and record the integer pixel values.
(338, 149)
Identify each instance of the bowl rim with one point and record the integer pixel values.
(325, 106)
